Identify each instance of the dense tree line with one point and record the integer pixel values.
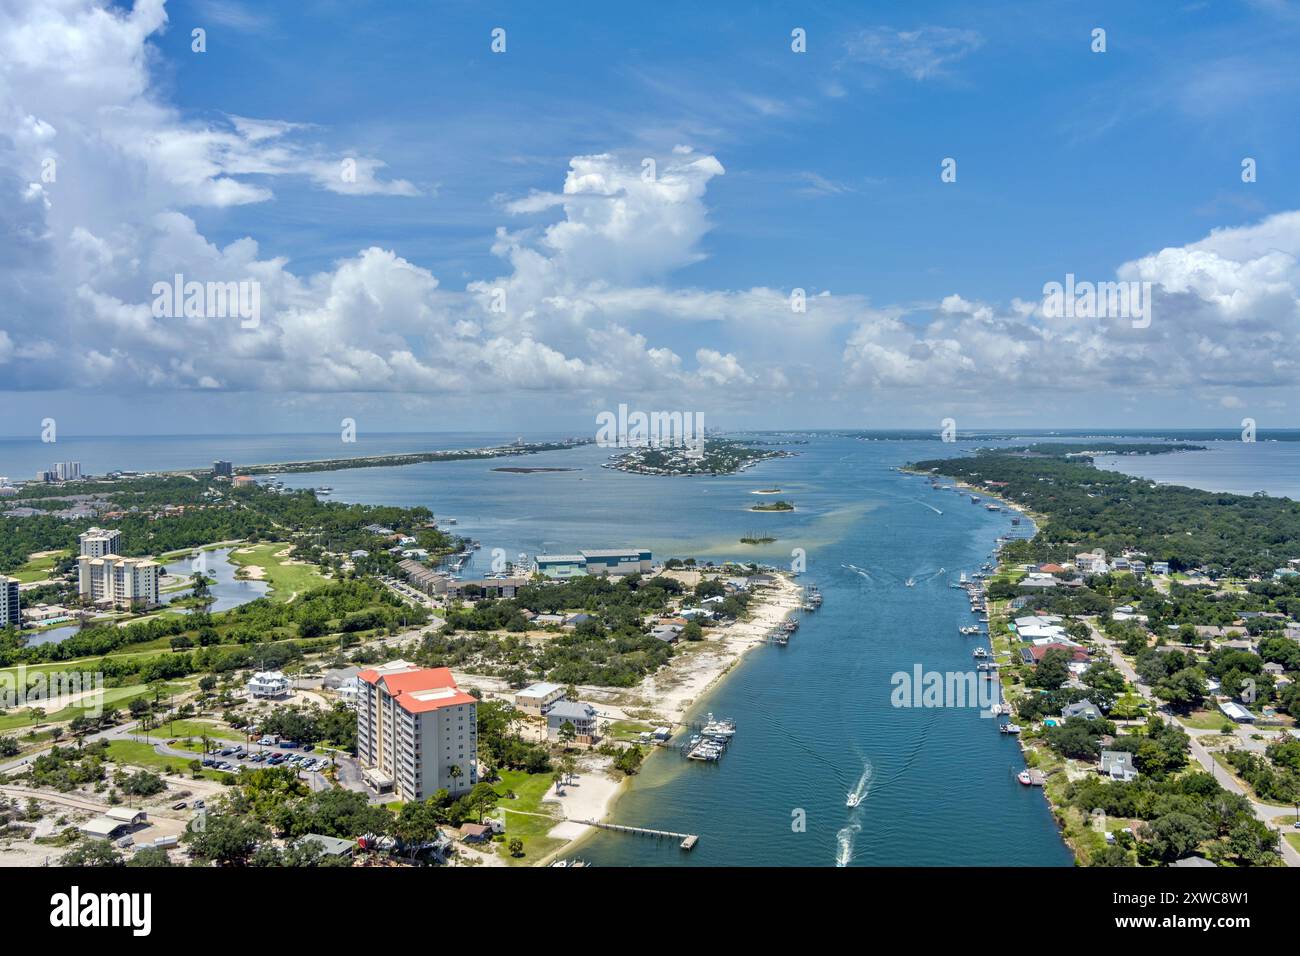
(1087, 508)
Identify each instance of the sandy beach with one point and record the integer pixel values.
(664, 699)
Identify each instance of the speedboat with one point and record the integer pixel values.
(980, 652)
(853, 800)
(910, 582)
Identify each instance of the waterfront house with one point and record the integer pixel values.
(1044, 582)
(1035, 652)
(582, 716)
(536, 698)
(668, 633)
(1118, 765)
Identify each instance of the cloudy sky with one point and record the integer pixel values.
(620, 208)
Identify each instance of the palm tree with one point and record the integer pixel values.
(455, 772)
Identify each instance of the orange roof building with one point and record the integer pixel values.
(416, 731)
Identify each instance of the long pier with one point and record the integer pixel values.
(688, 839)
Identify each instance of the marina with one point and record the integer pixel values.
(711, 741)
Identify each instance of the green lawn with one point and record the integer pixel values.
(36, 569)
(112, 695)
(139, 754)
(181, 729)
(1294, 840)
(529, 789)
(286, 580)
(628, 729)
(1206, 720)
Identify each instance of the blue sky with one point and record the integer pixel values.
(817, 170)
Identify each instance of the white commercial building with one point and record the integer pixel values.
(417, 732)
(122, 582)
(97, 542)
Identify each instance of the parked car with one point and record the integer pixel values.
(179, 806)
(308, 746)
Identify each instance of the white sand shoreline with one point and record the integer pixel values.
(665, 698)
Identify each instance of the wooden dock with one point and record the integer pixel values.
(688, 840)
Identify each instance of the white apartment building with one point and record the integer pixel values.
(10, 615)
(122, 582)
(417, 732)
(97, 542)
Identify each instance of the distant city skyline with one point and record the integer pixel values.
(844, 219)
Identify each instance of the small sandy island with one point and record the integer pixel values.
(516, 470)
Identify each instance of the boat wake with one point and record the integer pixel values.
(845, 840)
(859, 571)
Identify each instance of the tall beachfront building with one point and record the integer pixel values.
(10, 615)
(417, 732)
(122, 582)
(97, 542)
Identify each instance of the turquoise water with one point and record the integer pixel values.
(813, 717)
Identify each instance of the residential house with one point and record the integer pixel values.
(1118, 765)
(582, 716)
(1083, 708)
(536, 698)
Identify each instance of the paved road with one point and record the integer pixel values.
(1263, 811)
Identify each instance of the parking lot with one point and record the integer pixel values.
(235, 756)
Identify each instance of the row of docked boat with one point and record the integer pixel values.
(712, 740)
(812, 598)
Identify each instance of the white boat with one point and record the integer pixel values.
(1010, 728)
(910, 582)
(853, 800)
(980, 652)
